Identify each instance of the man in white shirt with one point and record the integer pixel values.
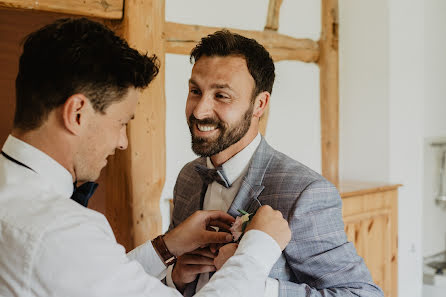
(76, 90)
(229, 89)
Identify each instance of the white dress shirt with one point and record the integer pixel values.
(218, 197)
(52, 246)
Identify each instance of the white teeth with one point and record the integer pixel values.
(204, 128)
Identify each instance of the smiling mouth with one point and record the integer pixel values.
(206, 128)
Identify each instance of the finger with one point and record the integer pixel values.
(214, 215)
(197, 269)
(216, 237)
(212, 228)
(265, 208)
(206, 252)
(195, 259)
(221, 225)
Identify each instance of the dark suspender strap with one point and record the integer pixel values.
(15, 161)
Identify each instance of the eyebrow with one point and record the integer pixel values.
(213, 86)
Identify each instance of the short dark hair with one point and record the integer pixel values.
(73, 56)
(225, 43)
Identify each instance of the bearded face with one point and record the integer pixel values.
(227, 133)
(220, 104)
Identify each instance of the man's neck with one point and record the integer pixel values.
(50, 144)
(223, 156)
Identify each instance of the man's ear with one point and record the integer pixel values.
(74, 112)
(260, 104)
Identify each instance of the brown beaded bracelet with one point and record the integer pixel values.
(162, 250)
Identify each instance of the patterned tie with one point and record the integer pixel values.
(209, 175)
(83, 193)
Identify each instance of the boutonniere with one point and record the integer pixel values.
(239, 226)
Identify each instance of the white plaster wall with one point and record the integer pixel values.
(434, 218)
(363, 67)
(294, 123)
(435, 68)
(406, 105)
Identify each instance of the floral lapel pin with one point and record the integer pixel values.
(239, 226)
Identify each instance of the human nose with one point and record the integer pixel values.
(123, 140)
(204, 107)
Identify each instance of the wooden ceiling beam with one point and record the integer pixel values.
(272, 24)
(105, 9)
(272, 20)
(181, 38)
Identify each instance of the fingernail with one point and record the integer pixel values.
(228, 237)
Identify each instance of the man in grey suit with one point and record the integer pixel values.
(229, 89)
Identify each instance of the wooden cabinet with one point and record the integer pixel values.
(371, 222)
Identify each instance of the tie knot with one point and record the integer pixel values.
(209, 175)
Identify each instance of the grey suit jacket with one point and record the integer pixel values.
(318, 261)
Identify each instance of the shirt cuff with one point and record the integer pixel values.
(262, 247)
(272, 287)
(169, 280)
(146, 255)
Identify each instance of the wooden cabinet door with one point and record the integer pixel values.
(370, 223)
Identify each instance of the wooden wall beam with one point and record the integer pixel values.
(272, 20)
(106, 9)
(136, 176)
(181, 38)
(272, 24)
(329, 91)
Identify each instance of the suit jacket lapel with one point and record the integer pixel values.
(252, 185)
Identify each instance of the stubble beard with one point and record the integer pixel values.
(227, 136)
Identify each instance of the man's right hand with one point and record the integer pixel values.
(189, 265)
(194, 232)
(272, 223)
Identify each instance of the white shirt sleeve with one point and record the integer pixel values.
(80, 257)
(146, 255)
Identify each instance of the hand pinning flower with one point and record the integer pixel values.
(238, 227)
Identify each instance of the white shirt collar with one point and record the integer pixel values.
(234, 167)
(60, 178)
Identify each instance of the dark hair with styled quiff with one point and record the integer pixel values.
(73, 56)
(225, 43)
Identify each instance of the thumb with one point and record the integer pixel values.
(216, 237)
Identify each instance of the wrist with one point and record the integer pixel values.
(163, 251)
(169, 240)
